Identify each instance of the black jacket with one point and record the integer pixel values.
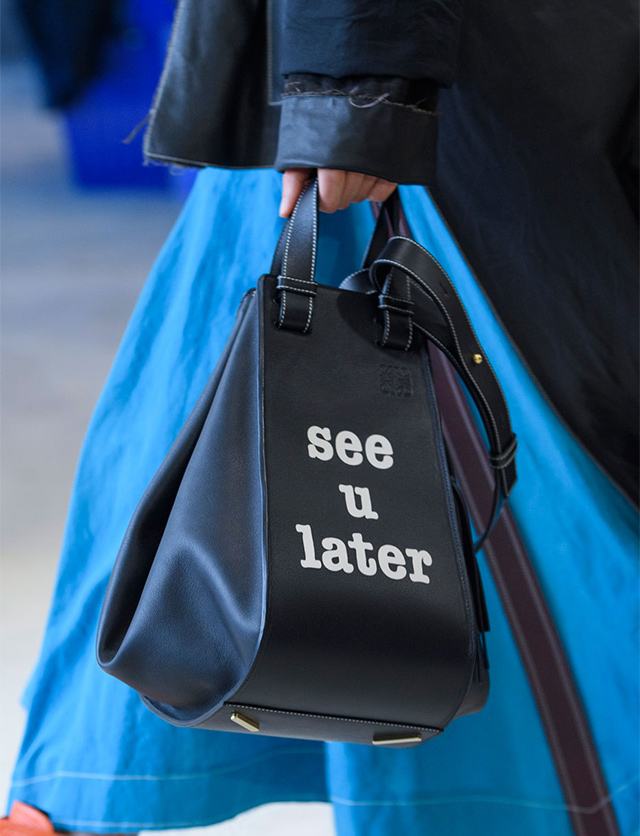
(532, 106)
(288, 83)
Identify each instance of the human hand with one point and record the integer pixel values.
(336, 189)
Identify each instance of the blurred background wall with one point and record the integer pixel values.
(72, 260)
(81, 222)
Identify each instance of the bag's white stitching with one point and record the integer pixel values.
(294, 289)
(398, 299)
(410, 336)
(283, 310)
(314, 244)
(387, 326)
(294, 279)
(308, 323)
(285, 258)
(331, 717)
(315, 233)
(397, 308)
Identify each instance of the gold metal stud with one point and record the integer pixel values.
(395, 739)
(477, 359)
(246, 722)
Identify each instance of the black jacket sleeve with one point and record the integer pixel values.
(377, 125)
(361, 85)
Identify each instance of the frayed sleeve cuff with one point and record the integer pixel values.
(386, 139)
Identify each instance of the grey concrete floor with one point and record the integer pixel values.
(72, 265)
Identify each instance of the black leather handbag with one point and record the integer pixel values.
(302, 563)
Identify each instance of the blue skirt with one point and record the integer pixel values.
(95, 759)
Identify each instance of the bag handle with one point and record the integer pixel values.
(294, 260)
(437, 312)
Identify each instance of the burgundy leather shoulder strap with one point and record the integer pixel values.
(573, 749)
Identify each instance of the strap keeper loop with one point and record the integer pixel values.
(394, 303)
(502, 460)
(291, 284)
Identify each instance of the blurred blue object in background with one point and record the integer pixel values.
(112, 105)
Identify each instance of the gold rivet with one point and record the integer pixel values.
(246, 722)
(395, 739)
(477, 359)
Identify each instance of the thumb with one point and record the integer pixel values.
(293, 181)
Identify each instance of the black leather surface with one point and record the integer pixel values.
(184, 608)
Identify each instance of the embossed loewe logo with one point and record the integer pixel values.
(392, 561)
(395, 381)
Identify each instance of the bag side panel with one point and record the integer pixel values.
(185, 605)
